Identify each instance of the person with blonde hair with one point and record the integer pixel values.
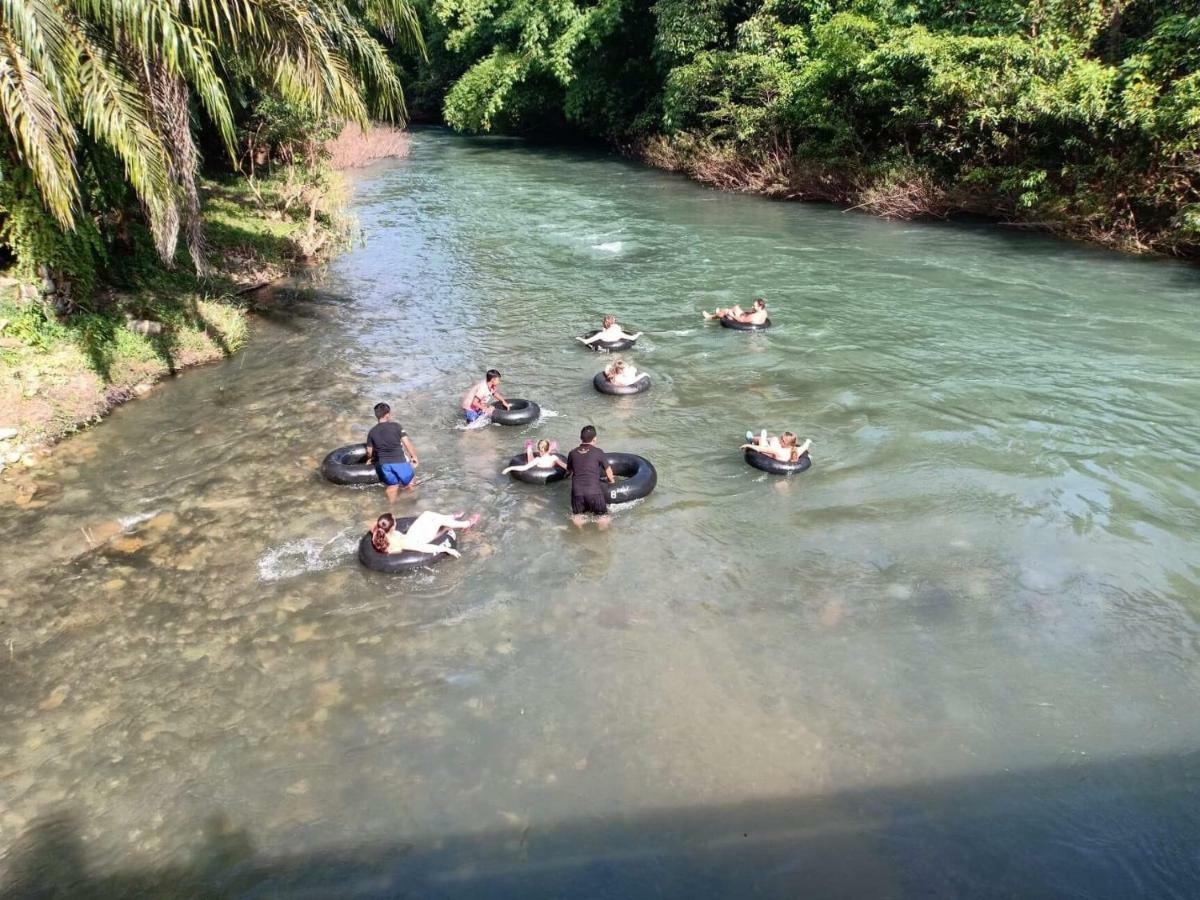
(610, 333)
(546, 458)
(623, 373)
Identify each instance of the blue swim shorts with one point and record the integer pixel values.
(471, 415)
(395, 473)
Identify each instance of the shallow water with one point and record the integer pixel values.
(959, 656)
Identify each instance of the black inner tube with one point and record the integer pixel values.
(744, 326)
(638, 477)
(609, 346)
(521, 412)
(536, 475)
(409, 559)
(774, 466)
(348, 465)
(604, 386)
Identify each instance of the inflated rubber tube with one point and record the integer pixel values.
(609, 346)
(604, 386)
(394, 563)
(522, 413)
(537, 476)
(775, 467)
(744, 326)
(348, 465)
(638, 477)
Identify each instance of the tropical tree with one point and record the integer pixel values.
(126, 74)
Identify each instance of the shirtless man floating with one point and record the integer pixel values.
(756, 316)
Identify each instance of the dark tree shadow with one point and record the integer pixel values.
(1125, 828)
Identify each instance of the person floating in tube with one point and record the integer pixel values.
(421, 535)
(623, 373)
(756, 316)
(546, 458)
(482, 396)
(782, 448)
(393, 454)
(586, 466)
(610, 333)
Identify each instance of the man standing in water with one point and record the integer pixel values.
(585, 466)
(392, 452)
(478, 400)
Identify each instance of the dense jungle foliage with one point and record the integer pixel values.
(1077, 115)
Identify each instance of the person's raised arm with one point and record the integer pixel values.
(630, 337)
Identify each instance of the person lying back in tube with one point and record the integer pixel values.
(421, 535)
(610, 333)
(623, 373)
(482, 396)
(756, 316)
(782, 448)
(546, 458)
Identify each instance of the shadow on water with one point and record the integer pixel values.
(981, 836)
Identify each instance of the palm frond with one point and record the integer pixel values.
(41, 130)
(113, 109)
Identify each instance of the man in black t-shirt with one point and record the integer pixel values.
(586, 465)
(392, 452)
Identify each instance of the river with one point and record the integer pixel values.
(960, 656)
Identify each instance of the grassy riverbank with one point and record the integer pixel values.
(59, 373)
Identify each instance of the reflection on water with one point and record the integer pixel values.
(968, 635)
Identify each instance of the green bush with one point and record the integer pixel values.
(1072, 111)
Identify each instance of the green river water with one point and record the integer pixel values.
(960, 656)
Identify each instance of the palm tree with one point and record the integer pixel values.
(126, 72)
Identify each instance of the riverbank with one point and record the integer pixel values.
(910, 193)
(61, 374)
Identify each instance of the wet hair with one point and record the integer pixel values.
(492, 374)
(760, 302)
(610, 320)
(379, 534)
(788, 439)
(618, 365)
(381, 410)
(588, 434)
(543, 446)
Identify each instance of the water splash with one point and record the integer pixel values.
(305, 555)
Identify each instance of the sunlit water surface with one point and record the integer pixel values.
(957, 657)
